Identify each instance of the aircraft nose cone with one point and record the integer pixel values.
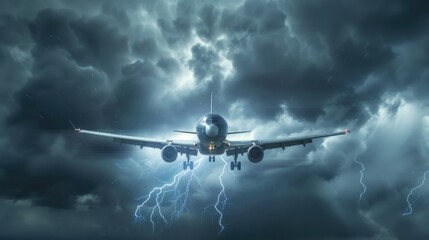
(212, 130)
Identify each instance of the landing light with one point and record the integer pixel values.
(211, 146)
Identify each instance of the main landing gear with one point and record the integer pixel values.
(188, 163)
(235, 164)
(211, 158)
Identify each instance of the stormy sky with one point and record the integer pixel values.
(279, 68)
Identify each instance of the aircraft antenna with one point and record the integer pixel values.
(211, 102)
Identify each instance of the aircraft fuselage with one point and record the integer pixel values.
(212, 130)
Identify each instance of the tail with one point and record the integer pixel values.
(211, 102)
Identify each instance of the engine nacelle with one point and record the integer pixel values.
(169, 153)
(255, 154)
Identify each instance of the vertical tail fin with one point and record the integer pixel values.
(211, 102)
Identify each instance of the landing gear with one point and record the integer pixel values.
(211, 158)
(235, 164)
(188, 163)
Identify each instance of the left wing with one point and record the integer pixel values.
(241, 147)
(182, 146)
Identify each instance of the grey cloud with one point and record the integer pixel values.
(298, 67)
(145, 48)
(177, 28)
(208, 22)
(205, 65)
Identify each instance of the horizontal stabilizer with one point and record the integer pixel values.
(239, 132)
(180, 131)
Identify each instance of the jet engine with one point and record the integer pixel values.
(255, 154)
(169, 153)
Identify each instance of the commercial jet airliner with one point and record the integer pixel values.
(212, 132)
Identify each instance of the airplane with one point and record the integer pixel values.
(212, 132)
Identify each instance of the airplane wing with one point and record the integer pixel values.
(182, 146)
(241, 147)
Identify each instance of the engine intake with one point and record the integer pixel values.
(255, 154)
(169, 153)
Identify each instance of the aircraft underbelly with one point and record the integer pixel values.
(218, 150)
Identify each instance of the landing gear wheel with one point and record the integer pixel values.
(235, 164)
(212, 159)
(190, 164)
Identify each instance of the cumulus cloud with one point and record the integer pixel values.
(279, 68)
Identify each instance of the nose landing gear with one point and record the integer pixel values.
(212, 159)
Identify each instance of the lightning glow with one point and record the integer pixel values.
(409, 209)
(361, 178)
(177, 193)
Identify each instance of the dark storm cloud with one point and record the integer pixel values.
(145, 48)
(68, 71)
(149, 66)
(205, 65)
(91, 42)
(14, 59)
(177, 28)
(360, 39)
(50, 102)
(134, 91)
(208, 19)
(270, 52)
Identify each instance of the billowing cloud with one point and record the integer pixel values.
(279, 68)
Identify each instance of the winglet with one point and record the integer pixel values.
(74, 127)
(347, 131)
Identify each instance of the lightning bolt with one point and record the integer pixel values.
(159, 194)
(221, 200)
(158, 191)
(220, 204)
(409, 209)
(177, 192)
(361, 178)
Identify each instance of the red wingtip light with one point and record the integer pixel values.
(347, 131)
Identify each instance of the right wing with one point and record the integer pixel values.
(241, 147)
(182, 146)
